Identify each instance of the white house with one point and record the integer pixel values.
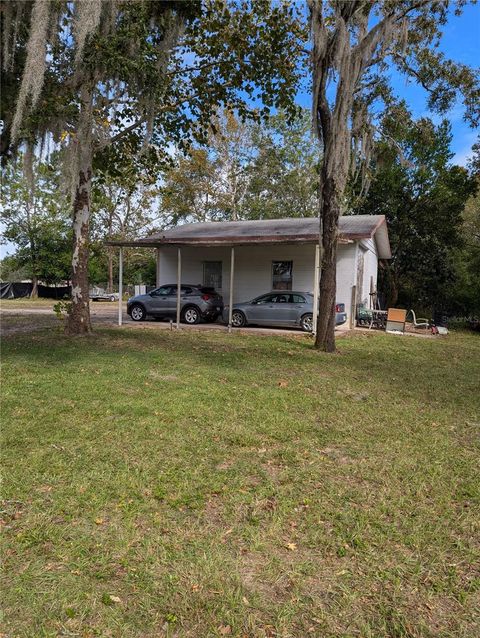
(247, 258)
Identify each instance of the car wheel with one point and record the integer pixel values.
(191, 315)
(306, 323)
(112, 297)
(238, 319)
(138, 313)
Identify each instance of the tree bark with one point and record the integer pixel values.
(330, 212)
(34, 293)
(78, 321)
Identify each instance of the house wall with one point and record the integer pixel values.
(253, 268)
(370, 269)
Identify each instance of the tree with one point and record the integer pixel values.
(210, 182)
(422, 197)
(258, 170)
(284, 170)
(354, 45)
(136, 77)
(122, 207)
(463, 295)
(35, 219)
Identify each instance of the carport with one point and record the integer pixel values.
(248, 250)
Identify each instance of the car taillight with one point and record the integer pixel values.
(340, 307)
(207, 297)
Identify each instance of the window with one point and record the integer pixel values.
(265, 299)
(274, 298)
(212, 274)
(164, 290)
(282, 275)
(298, 299)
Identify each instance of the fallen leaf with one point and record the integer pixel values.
(282, 383)
(115, 599)
(225, 630)
(99, 521)
(291, 546)
(45, 488)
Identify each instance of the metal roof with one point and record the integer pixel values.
(267, 231)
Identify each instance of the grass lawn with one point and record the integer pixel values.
(161, 484)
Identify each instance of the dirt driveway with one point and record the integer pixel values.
(25, 315)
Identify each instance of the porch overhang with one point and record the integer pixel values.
(266, 232)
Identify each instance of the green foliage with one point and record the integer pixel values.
(257, 171)
(422, 196)
(61, 309)
(35, 219)
(464, 294)
(284, 171)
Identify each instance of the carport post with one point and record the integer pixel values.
(120, 285)
(316, 288)
(230, 301)
(179, 284)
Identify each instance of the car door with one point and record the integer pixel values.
(286, 308)
(160, 300)
(171, 301)
(283, 312)
(301, 305)
(261, 309)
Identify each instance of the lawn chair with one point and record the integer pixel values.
(364, 316)
(421, 322)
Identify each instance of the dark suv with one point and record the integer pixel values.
(197, 302)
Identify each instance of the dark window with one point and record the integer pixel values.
(298, 299)
(212, 274)
(185, 290)
(282, 275)
(163, 290)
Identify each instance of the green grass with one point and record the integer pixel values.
(219, 484)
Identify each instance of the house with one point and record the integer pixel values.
(244, 259)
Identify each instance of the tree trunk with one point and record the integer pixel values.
(393, 297)
(325, 337)
(78, 321)
(34, 293)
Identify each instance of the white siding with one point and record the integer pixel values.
(253, 268)
(370, 269)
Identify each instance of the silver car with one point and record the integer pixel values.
(197, 302)
(286, 308)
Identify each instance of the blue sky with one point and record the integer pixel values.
(461, 43)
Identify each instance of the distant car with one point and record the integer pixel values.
(98, 294)
(197, 303)
(286, 308)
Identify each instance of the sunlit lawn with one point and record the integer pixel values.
(205, 484)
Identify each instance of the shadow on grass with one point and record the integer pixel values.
(443, 371)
